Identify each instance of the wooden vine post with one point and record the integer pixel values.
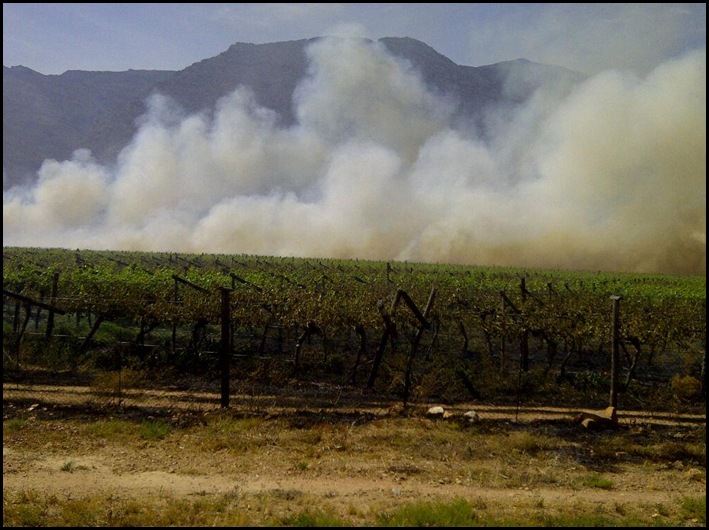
(615, 357)
(174, 320)
(506, 302)
(389, 331)
(390, 328)
(503, 332)
(524, 339)
(225, 349)
(50, 316)
(408, 383)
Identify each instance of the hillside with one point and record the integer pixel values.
(50, 116)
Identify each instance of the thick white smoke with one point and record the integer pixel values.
(610, 177)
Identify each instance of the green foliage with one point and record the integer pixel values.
(59, 354)
(110, 428)
(26, 509)
(695, 508)
(163, 310)
(587, 379)
(33, 509)
(458, 512)
(154, 430)
(13, 425)
(686, 388)
(335, 364)
(594, 480)
(312, 518)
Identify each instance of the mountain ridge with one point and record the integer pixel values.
(50, 116)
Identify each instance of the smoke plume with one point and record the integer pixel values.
(611, 176)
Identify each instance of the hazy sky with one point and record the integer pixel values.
(53, 38)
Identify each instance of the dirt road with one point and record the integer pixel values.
(278, 455)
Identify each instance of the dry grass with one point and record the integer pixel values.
(281, 462)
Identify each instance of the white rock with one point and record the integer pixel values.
(436, 411)
(471, 416)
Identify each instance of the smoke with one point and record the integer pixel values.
(610, 176)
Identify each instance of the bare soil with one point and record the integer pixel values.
(352, 455)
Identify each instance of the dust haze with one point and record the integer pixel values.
(608, 176)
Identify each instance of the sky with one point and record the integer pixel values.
(605, 174)
(53, 38)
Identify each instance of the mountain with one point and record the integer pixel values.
(50, 116)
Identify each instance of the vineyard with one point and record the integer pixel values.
(415, 332)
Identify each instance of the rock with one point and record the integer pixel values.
(436, 412)
(605, 419)
(471, 416)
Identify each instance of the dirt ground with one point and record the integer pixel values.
(329, 458)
